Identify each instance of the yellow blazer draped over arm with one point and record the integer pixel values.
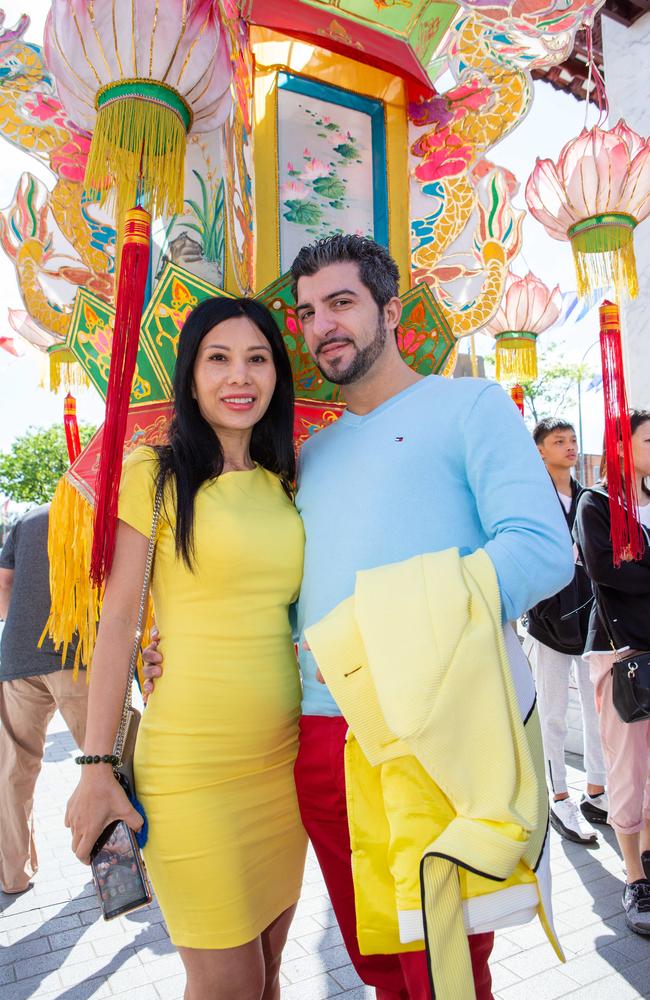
(445, 780)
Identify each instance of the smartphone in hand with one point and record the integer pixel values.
(118, 871)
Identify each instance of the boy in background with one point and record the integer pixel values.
(558, 630)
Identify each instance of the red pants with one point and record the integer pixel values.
(320, 782)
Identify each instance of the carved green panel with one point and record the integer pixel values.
(174, 297)
(424, 336)
(90, 338)
(307, 379)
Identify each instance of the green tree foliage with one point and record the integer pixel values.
(32, 467)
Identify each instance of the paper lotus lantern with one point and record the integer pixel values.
(527, 309)
(139, 77)
(595, 196)
(65, 369)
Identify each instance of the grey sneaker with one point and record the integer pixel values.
(636, 903)
(645, 862)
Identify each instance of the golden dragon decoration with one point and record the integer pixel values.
(450, 134)
(53, 237)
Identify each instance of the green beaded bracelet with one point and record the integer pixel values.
(107, 758)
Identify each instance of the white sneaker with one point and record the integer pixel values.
(595, 808)
(569, 823)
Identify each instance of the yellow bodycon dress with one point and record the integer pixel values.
(217, 743)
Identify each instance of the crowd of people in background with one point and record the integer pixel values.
(229, 568)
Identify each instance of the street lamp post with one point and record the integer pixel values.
(581, 463)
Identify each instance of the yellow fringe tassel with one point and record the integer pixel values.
(76, 604)
(516, 360)
(141, 140)
(607, 269)
(66, 371)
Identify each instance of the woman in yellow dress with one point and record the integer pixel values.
(217, 743)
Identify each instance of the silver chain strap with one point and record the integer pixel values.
(118, 746)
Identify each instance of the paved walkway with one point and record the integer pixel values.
(54, 945)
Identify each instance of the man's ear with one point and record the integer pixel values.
(393, 313)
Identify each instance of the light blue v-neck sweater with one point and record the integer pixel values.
(444, 463)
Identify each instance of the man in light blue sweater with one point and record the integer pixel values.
(414, 465)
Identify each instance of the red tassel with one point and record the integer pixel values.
(625, 530)
(517, 396)
(71, 427)
(134, 268)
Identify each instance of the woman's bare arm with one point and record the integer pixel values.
(98, 798)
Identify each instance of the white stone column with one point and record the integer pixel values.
(627, 79)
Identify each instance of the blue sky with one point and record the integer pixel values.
(554, 119)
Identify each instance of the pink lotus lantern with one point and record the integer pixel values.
(141, 76)
(527, 309)
(595, 196)
(140, 79)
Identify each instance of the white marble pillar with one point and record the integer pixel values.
(627, 79)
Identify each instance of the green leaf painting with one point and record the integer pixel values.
(330, 187)
(305, 213)
(347, 151)
(326, 172)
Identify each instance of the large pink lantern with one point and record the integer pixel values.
(527, 309)
(140, 78)
(595, 196)
(139, 75)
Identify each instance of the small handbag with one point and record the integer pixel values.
(631, 686)
(124, 746)
(630, 679)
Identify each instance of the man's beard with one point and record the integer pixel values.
(362, 361)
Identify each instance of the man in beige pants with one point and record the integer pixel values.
(33, 686)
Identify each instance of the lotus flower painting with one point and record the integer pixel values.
(527, 309)
(595, 196)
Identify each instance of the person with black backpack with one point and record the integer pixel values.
(558, 629)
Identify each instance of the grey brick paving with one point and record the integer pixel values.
(54, 946)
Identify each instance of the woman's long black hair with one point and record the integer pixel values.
(194, 453)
